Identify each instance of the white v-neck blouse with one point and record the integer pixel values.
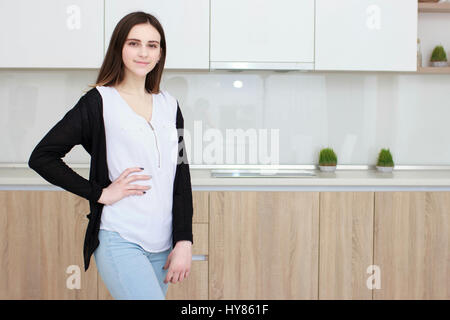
(131, 141)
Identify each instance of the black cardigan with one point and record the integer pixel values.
(84, 125)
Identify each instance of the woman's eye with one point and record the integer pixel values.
(133, 43)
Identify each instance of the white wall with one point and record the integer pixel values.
(354, 113)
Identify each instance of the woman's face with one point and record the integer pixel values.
(141, 45)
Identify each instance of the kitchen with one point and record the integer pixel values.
(316, 132)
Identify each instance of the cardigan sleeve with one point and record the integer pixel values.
(46, 158)
(182, 198)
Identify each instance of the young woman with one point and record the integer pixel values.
(139, 233)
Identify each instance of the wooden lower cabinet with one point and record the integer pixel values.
(346, 245)
(263, 245)
(329, 245)
(412, 245)
(41, 238)
(256, 245)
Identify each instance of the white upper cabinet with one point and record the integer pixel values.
(185, 24)
(371, 35)
(51, 34)
(262, 34)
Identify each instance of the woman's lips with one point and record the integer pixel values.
(142, 63)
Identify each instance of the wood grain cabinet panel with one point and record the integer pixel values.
(42, 235)
(263, 245)
(346, 244)
(412, 245)
(254, 245)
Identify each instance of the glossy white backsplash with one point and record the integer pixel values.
(355, 113)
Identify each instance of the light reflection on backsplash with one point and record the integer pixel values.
(355, 113)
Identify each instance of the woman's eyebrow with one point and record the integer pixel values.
(140, 40)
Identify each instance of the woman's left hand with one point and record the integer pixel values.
(179, 262)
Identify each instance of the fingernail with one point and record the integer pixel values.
(145, 192)
(141, 168)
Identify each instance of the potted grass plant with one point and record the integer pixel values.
(438, 57)
(385, 162)
(327, 160)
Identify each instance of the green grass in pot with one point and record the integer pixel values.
(327, 157)
(385, 158)
(438, 54)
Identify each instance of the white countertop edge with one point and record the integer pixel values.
(18, 187)
(273, 182)
(28, 179)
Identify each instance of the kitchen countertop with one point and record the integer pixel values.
(201, 179)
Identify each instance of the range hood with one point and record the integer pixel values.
(281, 66)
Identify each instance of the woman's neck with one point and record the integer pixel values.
(133, 85)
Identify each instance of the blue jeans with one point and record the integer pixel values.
(128, 271)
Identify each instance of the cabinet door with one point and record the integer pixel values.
(51, 34)
(261, 33)
(346, 245)
(412, 245)
(42, 237)
(185, 24)
(371, 35)
(263, 245)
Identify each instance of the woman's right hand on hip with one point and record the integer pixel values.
(122, 187)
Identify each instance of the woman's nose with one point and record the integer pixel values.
(143, 51)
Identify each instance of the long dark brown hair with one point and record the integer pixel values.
(112, 69)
